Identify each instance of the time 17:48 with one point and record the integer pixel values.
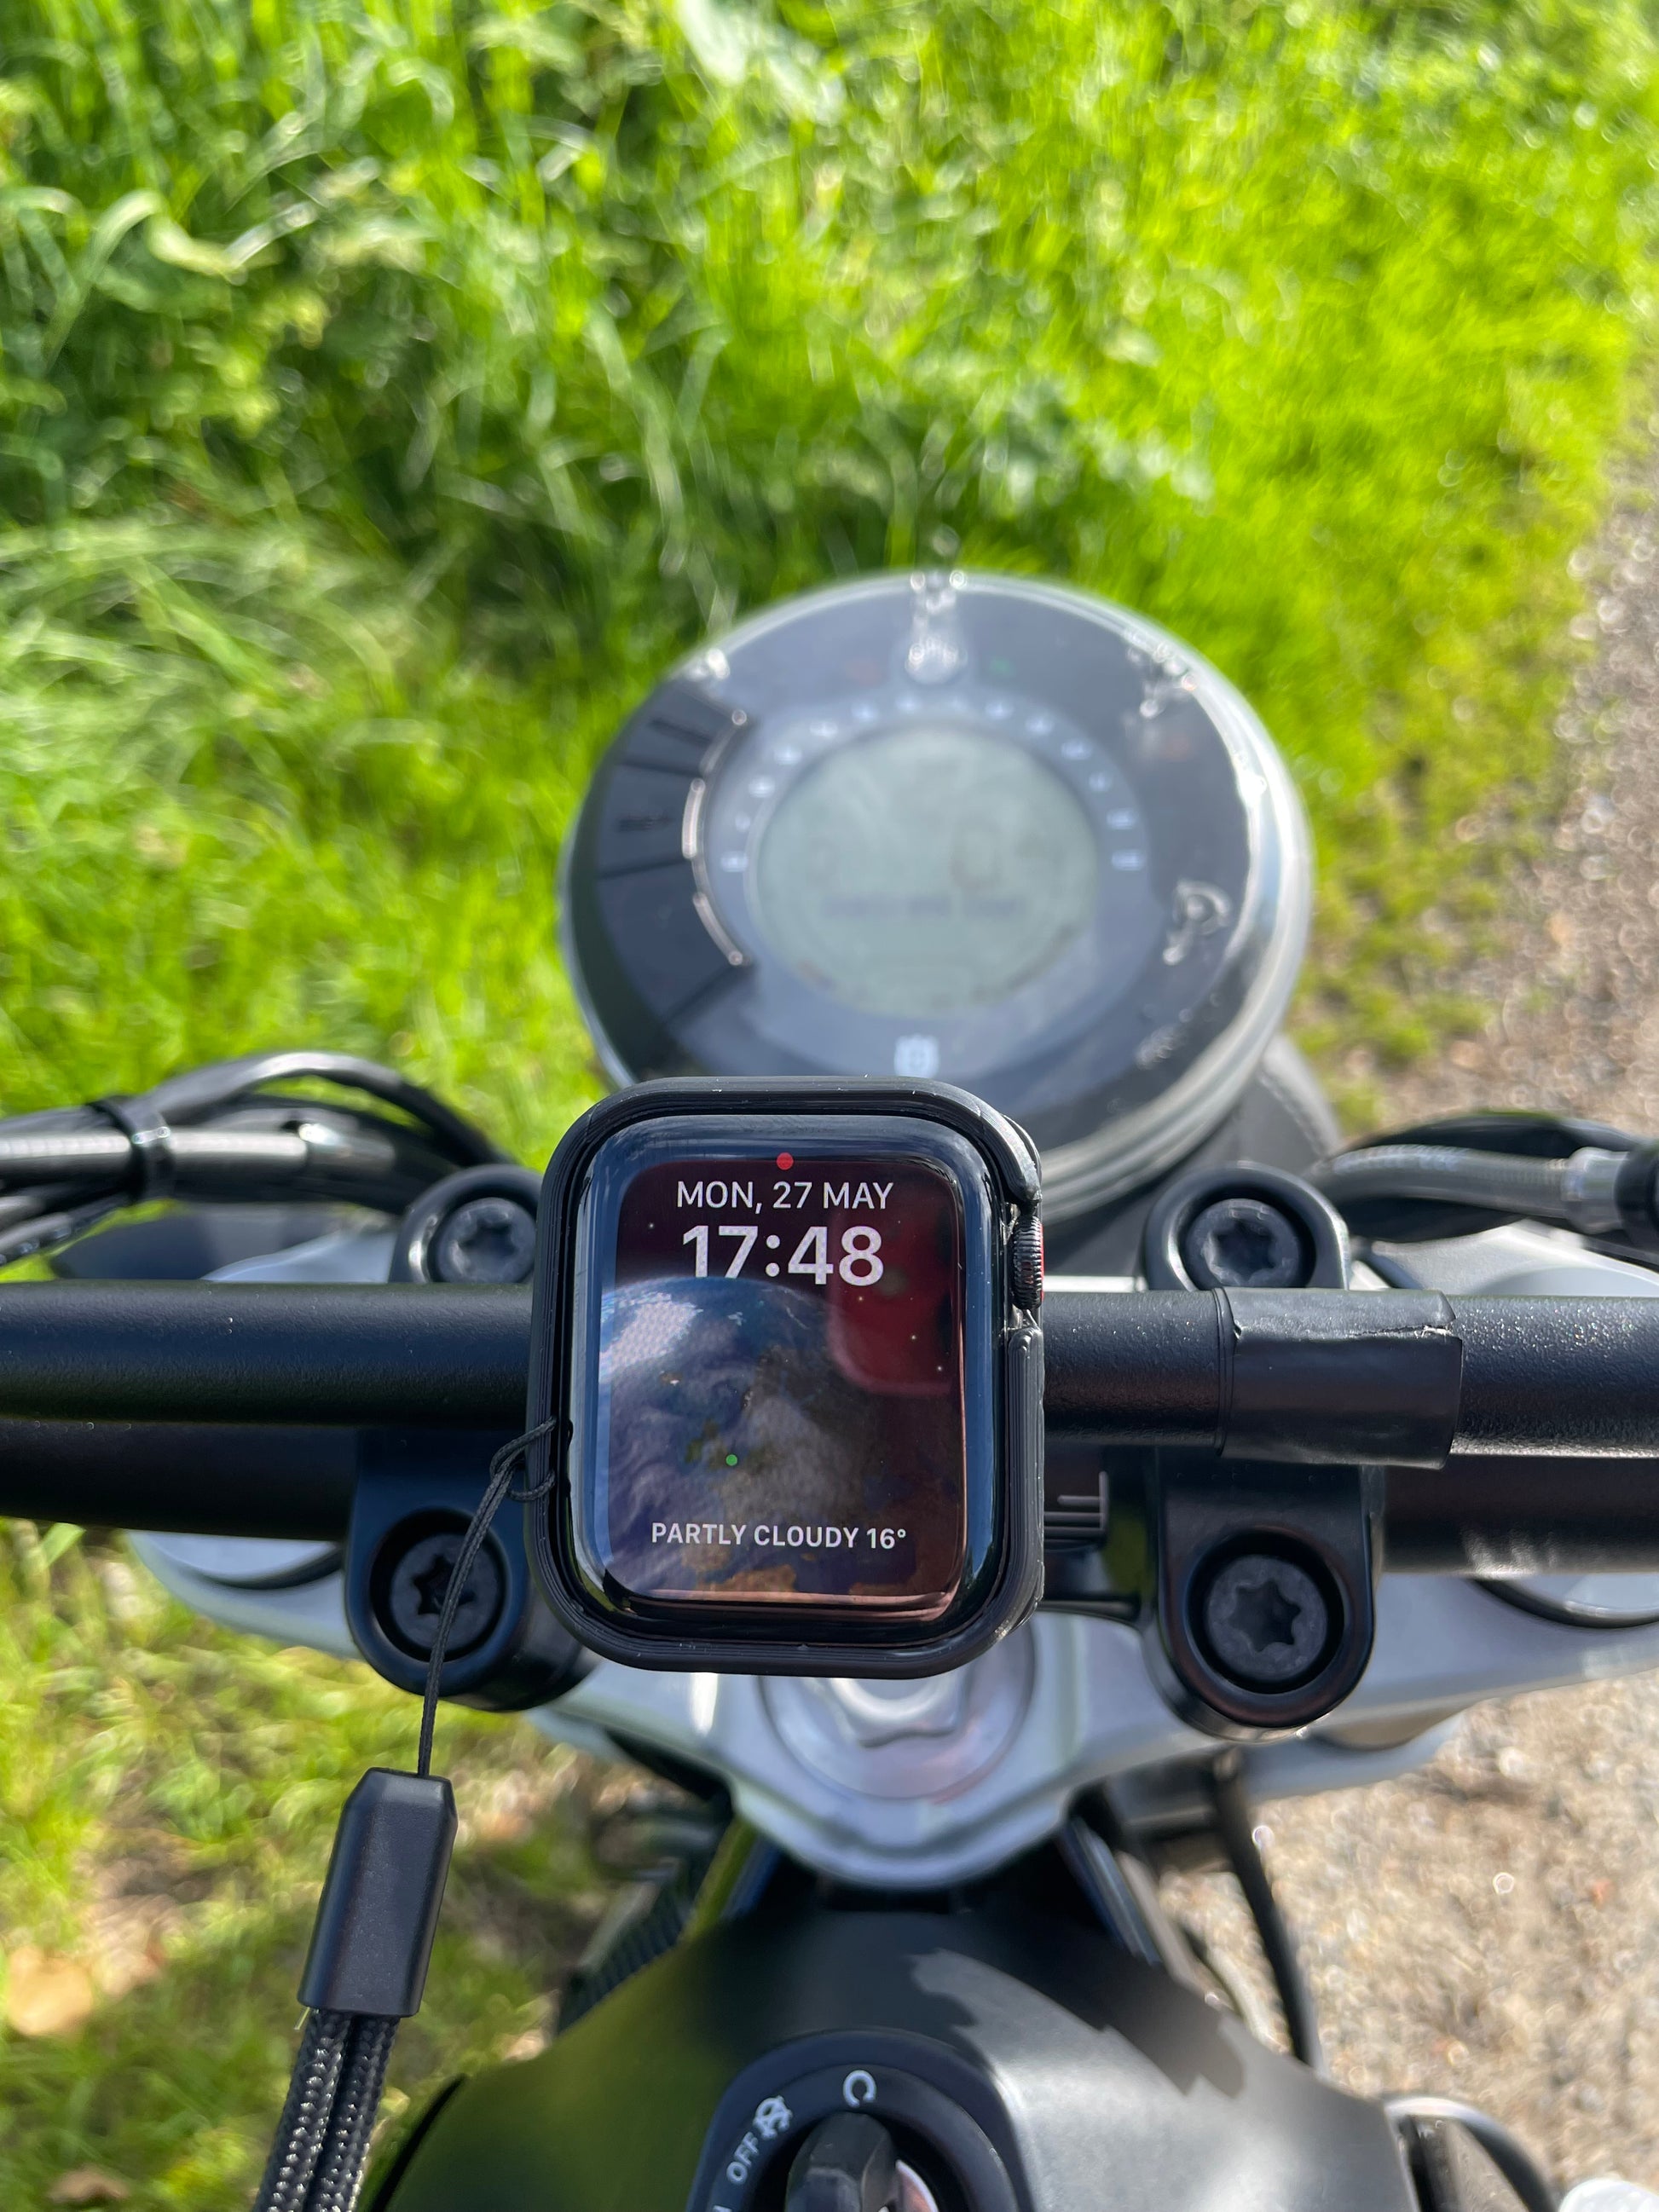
(859, 1263)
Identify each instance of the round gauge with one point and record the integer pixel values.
(925, 871)
(961, 826)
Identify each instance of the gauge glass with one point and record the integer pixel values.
(969, 827)
(926, 871)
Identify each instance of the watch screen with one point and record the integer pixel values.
(775, 1344)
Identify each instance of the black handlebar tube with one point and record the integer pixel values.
(1489, 1516)
(196, 1478)
(271, 1353)
(1520, 1434)
(1397, 1377)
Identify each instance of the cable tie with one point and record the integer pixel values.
(155, 1163)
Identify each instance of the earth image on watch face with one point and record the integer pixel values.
(741, 1461)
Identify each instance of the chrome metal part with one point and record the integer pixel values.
(1589, 1179)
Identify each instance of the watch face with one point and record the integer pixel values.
(967, 827)
(781, 1414)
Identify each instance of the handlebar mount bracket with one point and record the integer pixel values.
(1263, 1618)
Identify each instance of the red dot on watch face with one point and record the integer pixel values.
(785, 1159)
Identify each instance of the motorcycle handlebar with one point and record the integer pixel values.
(196, 1478)
(1404, 1378)
(1525, 1423)
(357, 1354)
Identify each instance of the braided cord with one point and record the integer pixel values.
(303, 2127)
(339, 2176)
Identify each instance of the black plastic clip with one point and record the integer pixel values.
(379, 1912)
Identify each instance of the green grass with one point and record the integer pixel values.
(388, 392)
(167, 1796)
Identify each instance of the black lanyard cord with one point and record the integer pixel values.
(375, 1922)
(497, 1490)
(304, 2124)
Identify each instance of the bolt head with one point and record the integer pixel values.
(420, 1582)
(488, 1240)
(1266, 1621)
(1244, 1244)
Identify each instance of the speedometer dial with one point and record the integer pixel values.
(961, 826)
(928, 870)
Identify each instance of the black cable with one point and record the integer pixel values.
(304, 2124)
(1507, 1183)
(1506, 2151)
(1539, 1137)
(1236, 1825)
(338, 2180)
(497, 1489)
(321, 2148)
(24, 1205)
(204, 1091)
(43, 1232)
(1394, 1272)
(323, 2138)
(203, 1094)
(217, 1133)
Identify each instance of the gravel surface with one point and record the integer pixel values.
(1574, 996)
(1489, 1928)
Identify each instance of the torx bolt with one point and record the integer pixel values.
(1243, 1243)
(420, 1583)
(1266, 1621)
(488, 1240)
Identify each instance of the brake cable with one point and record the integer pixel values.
(366, 1970)
(219, 1131)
